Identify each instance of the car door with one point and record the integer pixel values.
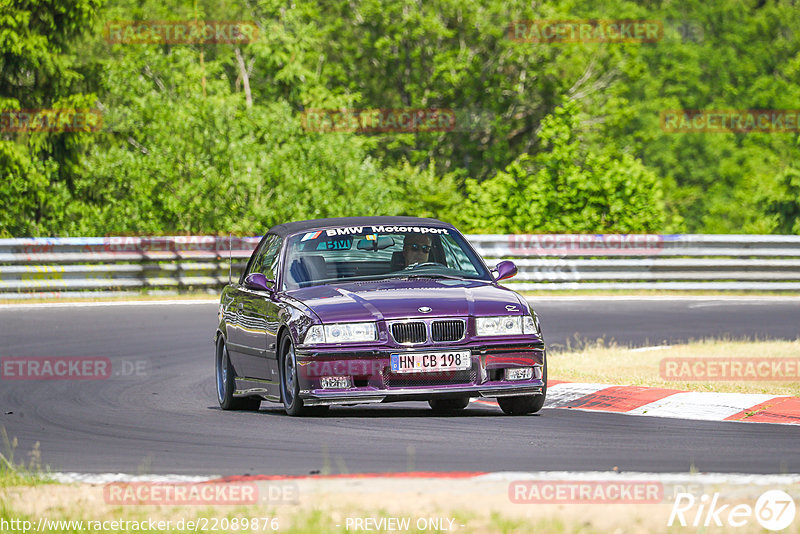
(252, 342)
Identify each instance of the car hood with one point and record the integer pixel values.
(402, 298)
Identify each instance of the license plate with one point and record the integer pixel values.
(423, 362)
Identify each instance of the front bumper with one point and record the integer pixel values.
(373, 382)
(329, 398)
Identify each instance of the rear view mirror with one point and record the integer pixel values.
(379, 243)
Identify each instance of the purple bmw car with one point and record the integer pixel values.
(375, 309)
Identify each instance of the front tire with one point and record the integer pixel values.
(525, 404)
(521, 405)
(226, 384)
(290, 385)
(449, 405)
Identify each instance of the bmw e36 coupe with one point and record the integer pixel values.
(375, 309)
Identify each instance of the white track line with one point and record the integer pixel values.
(500, 476)
(673, 478)
(107, 478)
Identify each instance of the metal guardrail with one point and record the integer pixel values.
(106, 266)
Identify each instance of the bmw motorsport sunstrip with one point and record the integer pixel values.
(375, 309)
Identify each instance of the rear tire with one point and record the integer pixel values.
(449, 405)
(226, 383)
(525, 404)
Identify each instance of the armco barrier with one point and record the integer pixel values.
(111, 266)
(107, 266)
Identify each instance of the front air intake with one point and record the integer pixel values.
(447, 330)
(413, 332)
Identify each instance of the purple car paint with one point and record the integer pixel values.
(257, 282)
(505, 269)
(375, 309)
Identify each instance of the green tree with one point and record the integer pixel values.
(568, 188)
(38, 70)
(782, 204)
(181, 126)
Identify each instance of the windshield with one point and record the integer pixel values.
(376, 252)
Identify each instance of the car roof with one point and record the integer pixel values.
(299, 226)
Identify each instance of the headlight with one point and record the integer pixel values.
(341, 333)
(314, 335)
(506, 325)
(530, 325)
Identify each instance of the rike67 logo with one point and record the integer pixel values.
(774, 510)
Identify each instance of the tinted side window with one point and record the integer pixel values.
(456, 258)
(265, 259)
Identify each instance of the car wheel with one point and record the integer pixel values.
(226, 384)
(525, 404)
(449, 405)
(290, 386)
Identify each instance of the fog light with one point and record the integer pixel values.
(519, 373)
(335, 382)
(537, 372)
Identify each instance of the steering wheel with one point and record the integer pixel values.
(423, 264)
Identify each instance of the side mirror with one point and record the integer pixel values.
(505, 269)
(258, 282)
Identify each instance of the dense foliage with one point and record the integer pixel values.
(549, 136)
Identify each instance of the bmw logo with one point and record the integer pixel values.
(424, 309)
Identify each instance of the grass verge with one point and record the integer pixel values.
(376, 505)
(599, 362)
(19, 473)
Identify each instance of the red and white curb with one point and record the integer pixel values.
(659, 402)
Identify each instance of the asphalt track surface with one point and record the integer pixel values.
(162, 417)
